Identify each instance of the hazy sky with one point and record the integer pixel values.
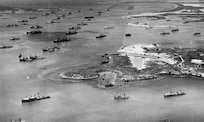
(33, 2)
(55, 2)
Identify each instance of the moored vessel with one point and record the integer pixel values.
(34, 97)
(119, 96)
(176, 93)
(101, 36)
(34, 32)
(58, 40)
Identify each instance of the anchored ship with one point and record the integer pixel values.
(34, 32)
(5, 46)
(34, 97)
(29, 58)
(101, 36)
(119, 96)
(58, 40)
(51, 49)
(14, 38)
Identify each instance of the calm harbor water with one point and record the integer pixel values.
(80, 102)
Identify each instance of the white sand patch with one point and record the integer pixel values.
(135, 49)
(139, 57)
(155, 26)
(161, 13)
(197, 61)
(194, 5)
(137, 62)
(144, 14)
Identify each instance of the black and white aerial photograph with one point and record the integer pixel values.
(101, 60)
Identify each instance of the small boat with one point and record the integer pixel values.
(176, 93)
(196, 33)
(33, 98)
(164, 33)
(52, 22)
(45, 14)
(32, 17)
(61, 40)
(29, 58)
(175, 30)
(119, 96)
(82, 24)
(36, 27)
(69, 13)
(51, 49)
(101, 36)
(71, 32)
(5, 46)
(89, 17)
(34, 32)
(75, 28)
(14, 38)
(11, 25)
(22, 21)
(18, 120)
(128, 34)
(111, 27)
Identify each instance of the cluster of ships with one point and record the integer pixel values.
(123, 96)
(23, 58)
(117, 96)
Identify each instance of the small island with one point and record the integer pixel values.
(139, 62)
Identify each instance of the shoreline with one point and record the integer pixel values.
(63, 76)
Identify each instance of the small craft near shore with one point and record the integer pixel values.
(176, 93)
